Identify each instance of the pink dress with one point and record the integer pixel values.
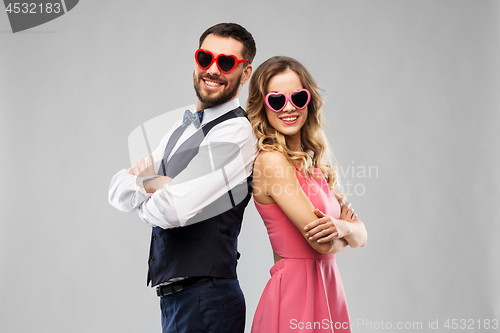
(305, 292)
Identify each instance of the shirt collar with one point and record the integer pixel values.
(217, 111)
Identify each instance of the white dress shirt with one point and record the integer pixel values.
(185, 195)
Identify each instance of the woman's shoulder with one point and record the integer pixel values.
(272, 158)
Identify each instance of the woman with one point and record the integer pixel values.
(296, 194)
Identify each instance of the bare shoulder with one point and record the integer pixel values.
(272, 158)
(271, 168)
(274, 166)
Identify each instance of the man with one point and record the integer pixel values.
(194, 188)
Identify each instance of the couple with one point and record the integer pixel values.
(194, 187)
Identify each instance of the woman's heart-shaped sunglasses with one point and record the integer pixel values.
(277, 101)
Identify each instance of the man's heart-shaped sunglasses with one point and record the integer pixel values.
(226, 63)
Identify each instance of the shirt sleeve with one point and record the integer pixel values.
(225, 159)
(126, 192)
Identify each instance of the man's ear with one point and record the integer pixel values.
(247, 72)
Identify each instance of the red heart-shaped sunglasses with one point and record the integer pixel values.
(226, 63)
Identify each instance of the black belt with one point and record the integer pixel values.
(178, 286)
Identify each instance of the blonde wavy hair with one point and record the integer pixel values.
(315, 149)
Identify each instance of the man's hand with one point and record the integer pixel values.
(145, 168)
(141, 169)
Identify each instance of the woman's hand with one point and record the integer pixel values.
(347, 213)
(327, 228)
(348, 227)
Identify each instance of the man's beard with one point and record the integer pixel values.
(210, 102)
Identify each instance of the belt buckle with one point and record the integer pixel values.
(159, 292)
(170, 289)
(164, 290)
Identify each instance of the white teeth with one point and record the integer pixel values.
(289, 119)
(212, 84)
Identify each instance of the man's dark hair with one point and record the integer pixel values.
(234, 31)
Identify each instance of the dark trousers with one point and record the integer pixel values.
(216, 306)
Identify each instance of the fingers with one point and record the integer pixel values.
(319, 213)
(136, 169)
(315, 223)
(347, 213)
(142, 166)
(346, 206)
(328, 238)
(322, 230)
(352, 216)
(150, 165)
(321, 225)
(343, 212)
(132, 170)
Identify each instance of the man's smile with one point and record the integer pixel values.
(212, 84)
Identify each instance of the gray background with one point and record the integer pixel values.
(412, 91)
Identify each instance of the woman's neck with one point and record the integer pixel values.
(294, 142)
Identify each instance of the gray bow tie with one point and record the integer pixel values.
(194, 118)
